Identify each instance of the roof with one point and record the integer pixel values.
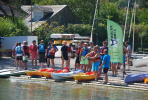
(41, 8)
(55, 8)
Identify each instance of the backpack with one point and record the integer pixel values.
(41, 48)
(18, 50)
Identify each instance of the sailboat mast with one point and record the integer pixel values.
(92, 28)
(126, 20)
(131, 23)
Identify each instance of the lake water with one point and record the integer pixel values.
(17, 89)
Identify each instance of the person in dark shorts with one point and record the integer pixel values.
(25, 53)
(50, 53)
(19, 56)
(78, 51)
(41, 50)
(105, 65)
(64, 54)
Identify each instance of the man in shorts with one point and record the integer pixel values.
(33, 53)
(41, 52)
(105, 65)
(64, 54)
(19, 56)
(25, 53)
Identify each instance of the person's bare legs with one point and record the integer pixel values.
(112, 65)
(106, 78)
(17, 64)
(35, 62)
(25, 65)
(114, 69)
(32, 62)
(81, 66)
(89, 66)
(128, 61)
(48, 62)
(52, 62)
(85, 67)
(67, 63)
(62, 63)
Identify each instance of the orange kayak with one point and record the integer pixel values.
(46, 74)
(146, 80)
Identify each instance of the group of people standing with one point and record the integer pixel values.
(44, 53)
(22, 52)
(89, 57)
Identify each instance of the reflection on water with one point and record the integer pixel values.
(32, 90)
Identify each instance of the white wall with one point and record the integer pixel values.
(9, 42)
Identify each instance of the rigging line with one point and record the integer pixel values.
(92, 28)
(134, 28)
(131, 23)
(126, 20)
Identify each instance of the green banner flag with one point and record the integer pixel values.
(115, 41)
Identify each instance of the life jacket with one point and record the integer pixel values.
(33, 48)
(96, 59)
(69, 49)
(52, 51)
(26, 49)
(84, 51)
(78, 51)
(18, 50)
(41, 48)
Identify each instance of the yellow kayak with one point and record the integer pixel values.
(84, 76)
(42, 72)
(33, 73)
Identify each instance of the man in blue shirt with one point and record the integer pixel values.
(42, 50)
(105, 65)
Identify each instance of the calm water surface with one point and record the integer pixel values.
(17, 89)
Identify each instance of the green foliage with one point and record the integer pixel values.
(12, 28)
(82, 29)
(109, 11)
(43, 32)
(142, 16)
